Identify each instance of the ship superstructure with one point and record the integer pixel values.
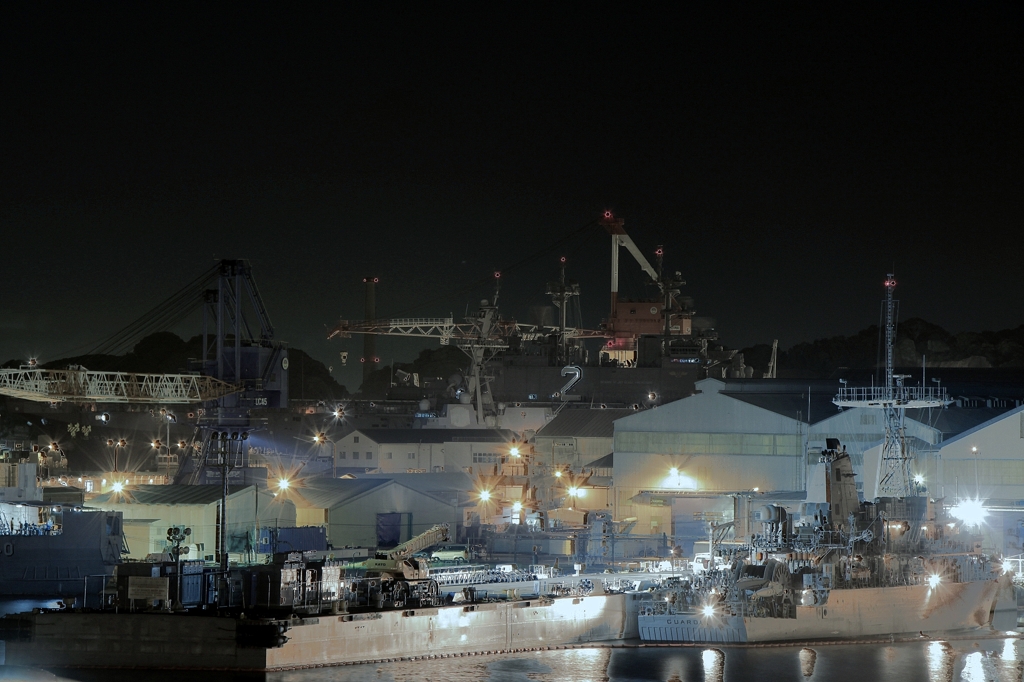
(896, 565)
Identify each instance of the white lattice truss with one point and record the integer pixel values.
(446, 329)
(52, 385)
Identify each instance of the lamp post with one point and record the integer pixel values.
(977, 485)
(157, 444)
(320, 438)
(115, 444)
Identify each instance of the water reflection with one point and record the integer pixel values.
(714, 665)
(995, 660)
(941, 662)
(807, 660)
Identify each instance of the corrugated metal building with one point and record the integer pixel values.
(577, 436)
(148, 511)
(371, 512)
(735, 436)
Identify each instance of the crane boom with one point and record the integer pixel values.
(51, 385)
(428, 538)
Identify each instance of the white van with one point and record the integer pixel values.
(458, 554)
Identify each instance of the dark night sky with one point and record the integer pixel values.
(786, 158)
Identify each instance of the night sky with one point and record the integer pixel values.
(786, 158)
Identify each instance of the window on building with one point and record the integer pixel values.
(867, 419)
(485, 458)
(369, 455)
(412, 455)
(355, 439)
(343, 455)
(389, 455)
(355, 455)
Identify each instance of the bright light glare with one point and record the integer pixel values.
(934, 580)
(708, 610)
(673, 471)
(558, 474)
(971, 512)
(514, 452)
(485, 495)
(283, 483)
(919, 479)
(517, 507)
(573, 491)
(1007, 566)
(581, 492)
(117, 487)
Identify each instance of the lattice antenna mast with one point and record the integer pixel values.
(893, 398)
(890, 332)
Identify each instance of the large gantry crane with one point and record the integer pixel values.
(480, 337)
(241, 371)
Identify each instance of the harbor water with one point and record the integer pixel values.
(970, 660)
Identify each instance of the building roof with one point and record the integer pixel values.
(168, 494)
(786, 397)
(436, 482)
(583, 423)
(789, 399)
(967, 433)
(605, 462)
(380, 436)
(327, 492)
(952, 422)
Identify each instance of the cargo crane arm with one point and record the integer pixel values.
(81, 385)
(446, 330)
(620, 238)
(429, 538)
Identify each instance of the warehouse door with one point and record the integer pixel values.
(389, 529)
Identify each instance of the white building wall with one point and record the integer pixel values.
(987, 461)
(717, 444)
(356, 450)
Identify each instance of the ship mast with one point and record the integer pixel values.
(893, 398)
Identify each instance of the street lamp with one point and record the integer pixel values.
(115, 444)
(320, 438)
(157, 444)
(977, 485)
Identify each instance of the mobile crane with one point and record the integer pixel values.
(394, 577)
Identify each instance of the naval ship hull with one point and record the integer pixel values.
(59, 565)
(161, 640)
(852, 614)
